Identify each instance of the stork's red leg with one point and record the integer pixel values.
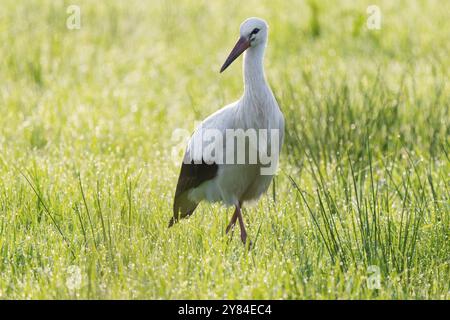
(242, 225)
(238, 215)
(233, 220)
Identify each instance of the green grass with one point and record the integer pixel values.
(87, 175)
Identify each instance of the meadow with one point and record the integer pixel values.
(359, 209)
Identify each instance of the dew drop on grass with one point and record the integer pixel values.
(74, 278)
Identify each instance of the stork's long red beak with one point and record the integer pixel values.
(240, 46)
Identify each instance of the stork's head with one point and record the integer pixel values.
(253, 33)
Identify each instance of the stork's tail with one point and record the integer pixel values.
(177, 215)
(172, 222)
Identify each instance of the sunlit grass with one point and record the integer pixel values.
(87, 175)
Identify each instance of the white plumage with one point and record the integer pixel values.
(233, 184)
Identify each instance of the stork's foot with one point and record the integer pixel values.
(230, 226)
(243, 236)
(247, 242)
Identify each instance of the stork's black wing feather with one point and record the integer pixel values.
(191, 176)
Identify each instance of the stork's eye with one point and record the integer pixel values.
(255, 31)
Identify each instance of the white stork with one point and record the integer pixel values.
(234, 184)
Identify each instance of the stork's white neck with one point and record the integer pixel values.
(254, 77)
(257, 108)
